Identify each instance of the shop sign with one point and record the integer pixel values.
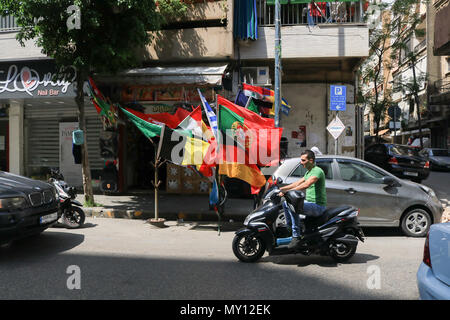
(165, 93)
(27, 82)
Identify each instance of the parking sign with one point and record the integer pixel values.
(338, 98)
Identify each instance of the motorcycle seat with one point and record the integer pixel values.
(330, 213)
(327, 215)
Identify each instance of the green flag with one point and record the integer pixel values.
(150, 130)
(228, 119)
(252, 106)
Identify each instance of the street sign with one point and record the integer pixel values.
(336, 127)
(396, 125)
(338, 98)
(394, 112)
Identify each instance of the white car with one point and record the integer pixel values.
(433, 277)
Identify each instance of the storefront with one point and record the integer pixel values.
(157, 90)
(39, 116)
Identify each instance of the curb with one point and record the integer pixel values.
(101, 212)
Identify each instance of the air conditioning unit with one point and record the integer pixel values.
(256, 76)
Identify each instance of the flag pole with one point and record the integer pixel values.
(156, 221)
(218, 177)
(277, 97)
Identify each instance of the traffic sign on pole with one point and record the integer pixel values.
(338, 98)
(336, 127)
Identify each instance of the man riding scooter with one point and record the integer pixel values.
(316, 197)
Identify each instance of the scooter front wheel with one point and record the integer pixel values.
(248, 247)
(73, 217)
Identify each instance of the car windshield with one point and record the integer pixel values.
(404, 151)
(440, 152)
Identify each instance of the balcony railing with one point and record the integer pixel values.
(442, 85)
(320, 12)
(8, 23)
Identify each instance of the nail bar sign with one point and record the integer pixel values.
(26, 82)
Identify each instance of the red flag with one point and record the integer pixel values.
(262, 138)
(172, 121)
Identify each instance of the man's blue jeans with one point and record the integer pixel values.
(310, 209)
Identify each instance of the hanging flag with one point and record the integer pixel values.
(214, 195)
(210, 114)
(172, 121)
(106, 110)
(251, 105)
(184, 150)
(241, 99)
(193, 122)
(258, 135)
(266, 95)
(150, 130)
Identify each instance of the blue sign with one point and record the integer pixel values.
(338, 98)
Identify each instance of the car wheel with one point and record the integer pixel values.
(416, 223)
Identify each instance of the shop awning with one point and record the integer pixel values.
(205, 74)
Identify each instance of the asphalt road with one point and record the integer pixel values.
(129, 259)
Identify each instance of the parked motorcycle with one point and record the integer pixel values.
(72, 215)
(335, 233)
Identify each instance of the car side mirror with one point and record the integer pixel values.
(388, 180)
(279, 181)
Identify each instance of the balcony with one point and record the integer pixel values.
(322, 12)
(441, 28)
(441, 94)
(323, 46)
(8, 24)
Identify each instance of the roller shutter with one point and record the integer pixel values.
(41, 128)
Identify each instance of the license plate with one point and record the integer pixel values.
(48, 218)
(413, 174)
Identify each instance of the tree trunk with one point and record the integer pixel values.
(86, 171)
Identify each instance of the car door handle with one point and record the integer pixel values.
(351, 190)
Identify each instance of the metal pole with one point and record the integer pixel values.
(395, 125)
(156, 187)
(277, 62)
(336, 140)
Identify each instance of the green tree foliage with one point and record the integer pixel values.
(92, 36)
(388, 42)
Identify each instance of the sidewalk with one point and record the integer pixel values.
(173, 207)
(170, 207)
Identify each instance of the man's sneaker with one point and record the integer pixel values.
(295, 242)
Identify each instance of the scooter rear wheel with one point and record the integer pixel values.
(73, 218)
(342, 252)
(248, 247)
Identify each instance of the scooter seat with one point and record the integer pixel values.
(330, 213)
(327, 215)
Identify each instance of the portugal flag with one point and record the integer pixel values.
(256, 134)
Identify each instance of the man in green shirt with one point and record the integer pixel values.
(316, 196)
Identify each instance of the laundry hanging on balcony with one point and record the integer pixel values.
(245, 20)
(272, 2)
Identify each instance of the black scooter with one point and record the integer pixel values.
(70, 211)
(334, 234)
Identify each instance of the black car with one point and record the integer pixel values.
(400, 160)
(27, 206)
